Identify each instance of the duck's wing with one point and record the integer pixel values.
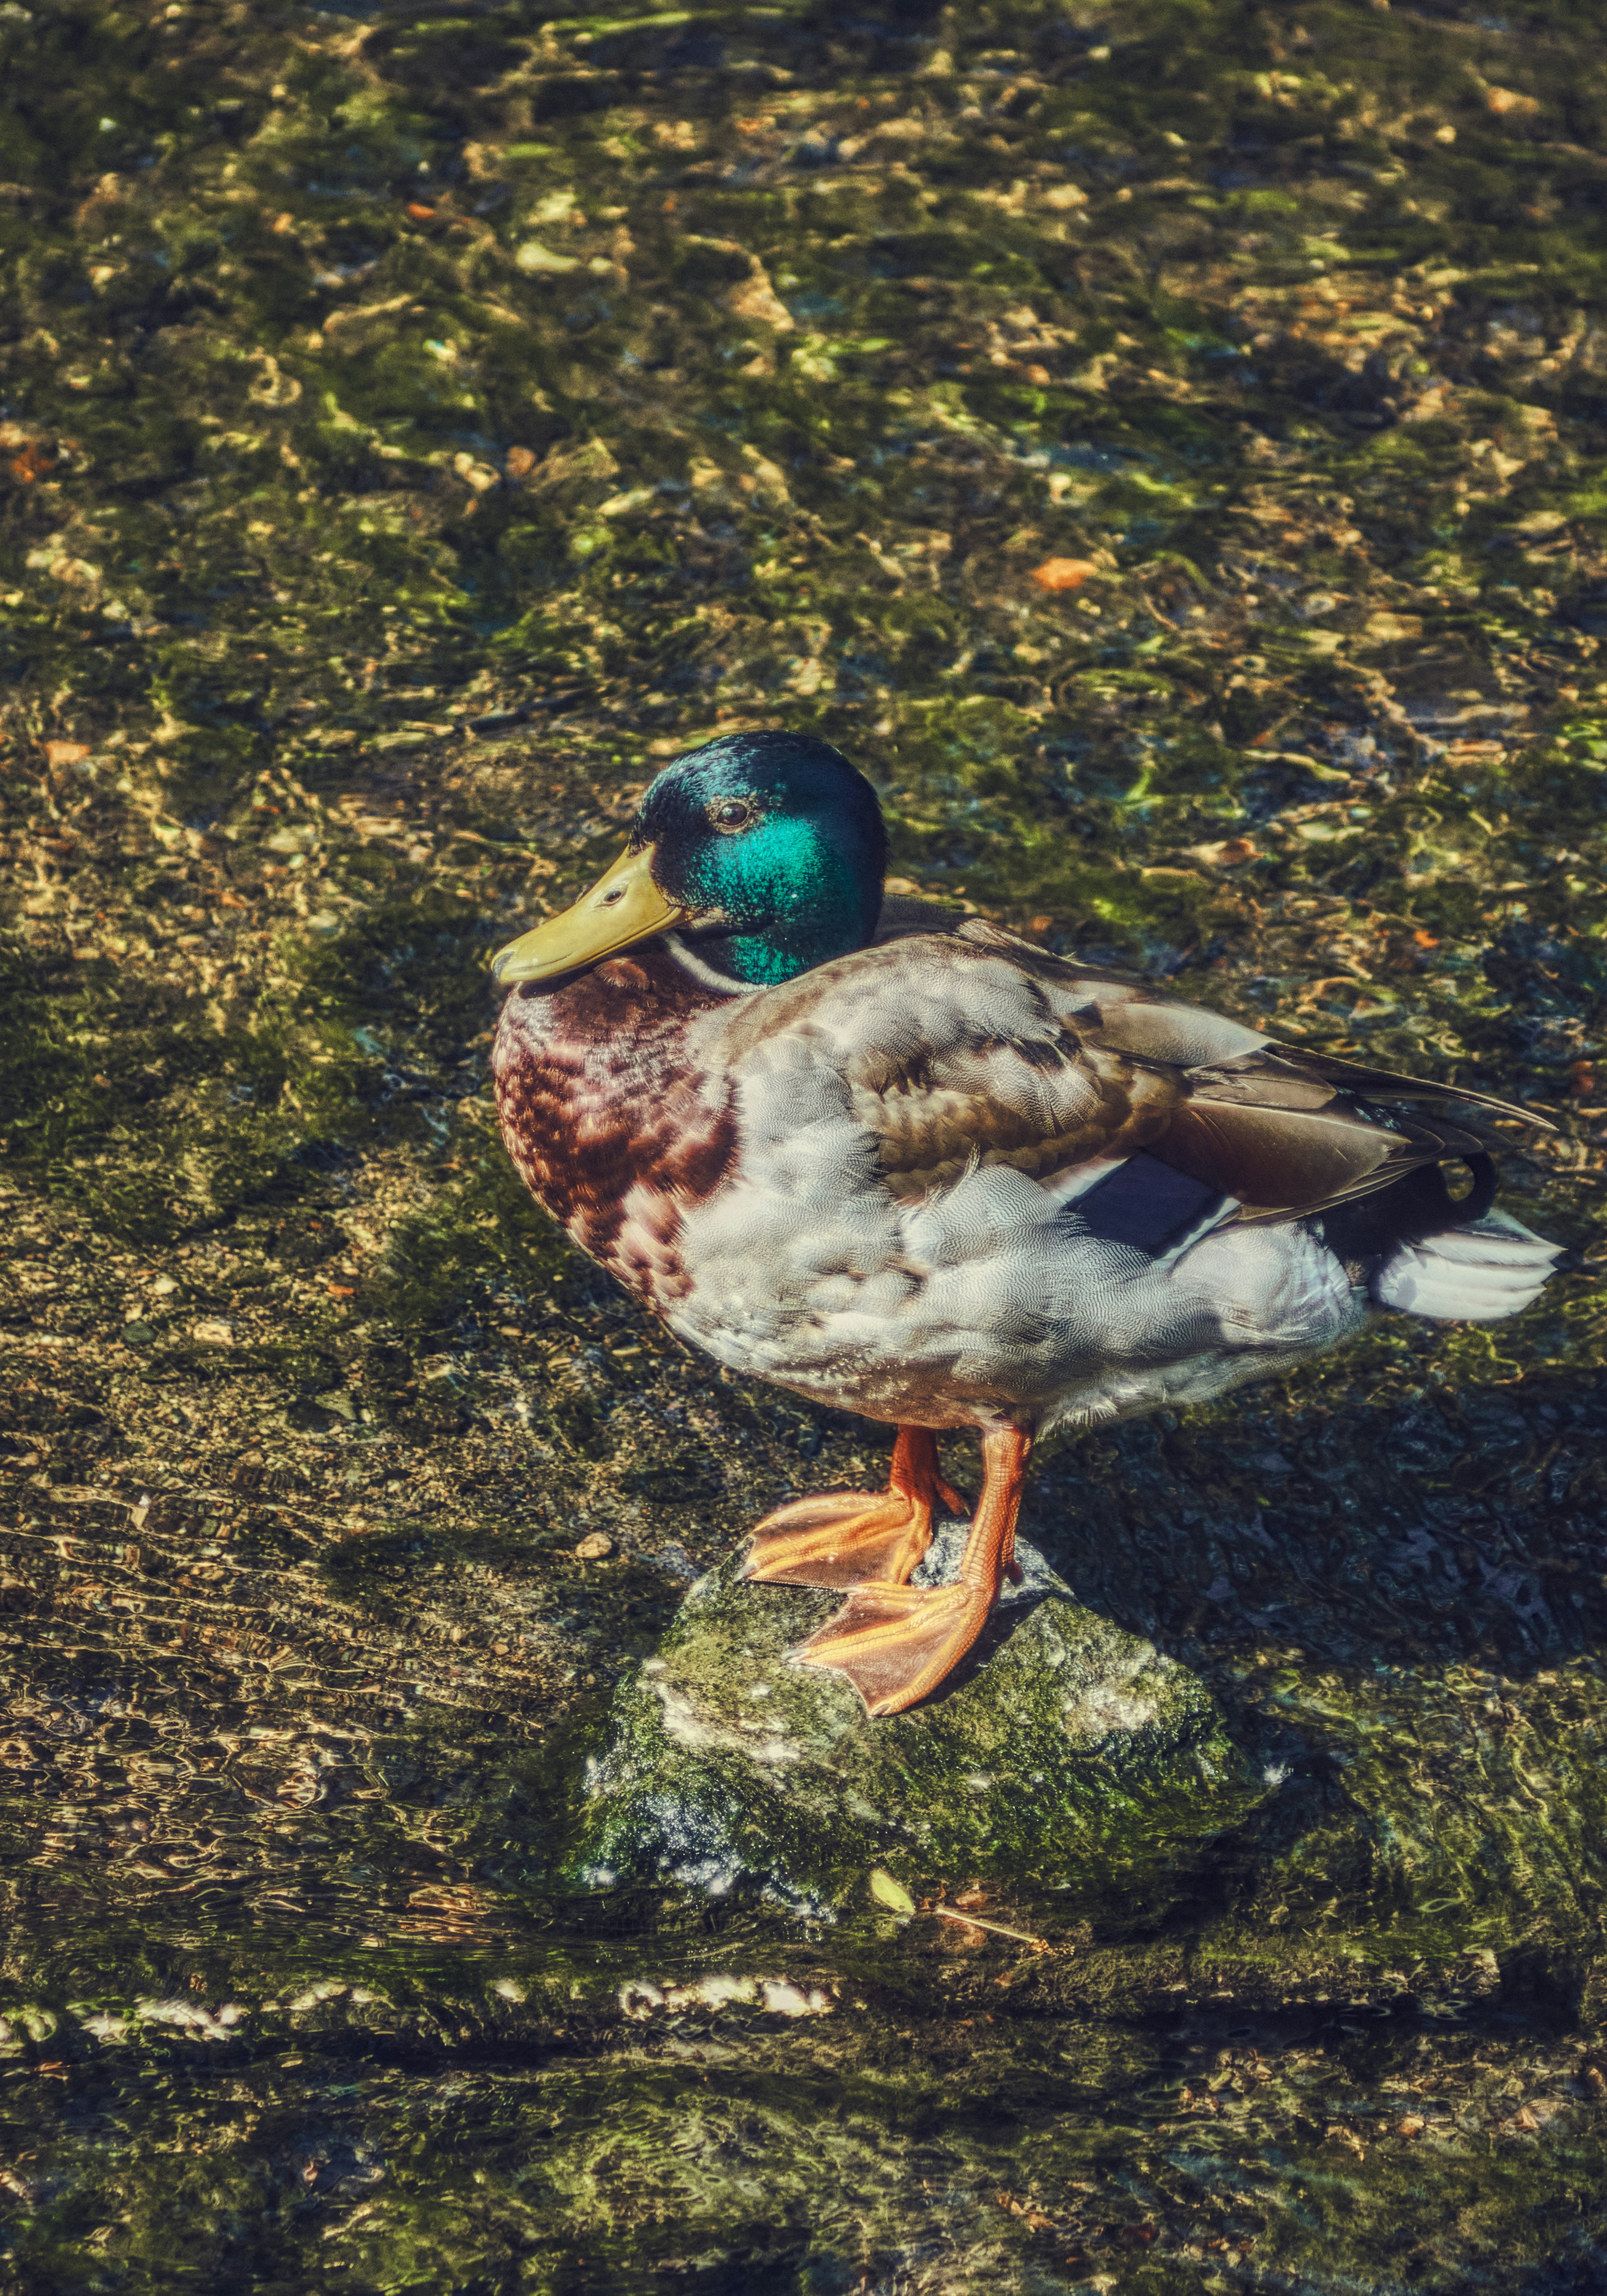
(970, 1047)
(1287, 1131)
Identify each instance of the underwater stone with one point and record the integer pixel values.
(1068, 1753)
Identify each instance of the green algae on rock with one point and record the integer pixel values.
(1071, 1754)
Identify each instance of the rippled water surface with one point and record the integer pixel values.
(1164, 446)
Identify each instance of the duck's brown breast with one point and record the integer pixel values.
(611, 1121)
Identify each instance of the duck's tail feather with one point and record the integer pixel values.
(1475, 1273)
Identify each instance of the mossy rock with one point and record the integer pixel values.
(1068, 1754)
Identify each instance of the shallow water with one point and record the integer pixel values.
(1163, 445)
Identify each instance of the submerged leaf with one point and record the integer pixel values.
(890, 1894)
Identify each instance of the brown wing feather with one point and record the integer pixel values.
(1284, 1163)
(1275, 1126)
(968, 1046)
(1043, 1103)
(1382, 1084)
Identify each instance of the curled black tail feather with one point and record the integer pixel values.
(1478, 1198)
(1418, 1205)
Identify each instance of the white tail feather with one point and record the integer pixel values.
(1475, 1275)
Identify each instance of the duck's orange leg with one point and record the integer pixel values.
(844, 1537)
(896, 1642)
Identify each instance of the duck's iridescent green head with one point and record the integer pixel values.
(765, 849)
(773, 846)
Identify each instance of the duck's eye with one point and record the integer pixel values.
(730, 814)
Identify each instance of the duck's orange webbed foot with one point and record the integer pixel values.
(844, 1538)
(896, 1643)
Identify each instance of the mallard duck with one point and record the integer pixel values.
(919, 1169)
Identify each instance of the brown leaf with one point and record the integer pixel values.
(33, 459)
(1063, 573)
(1226, 853)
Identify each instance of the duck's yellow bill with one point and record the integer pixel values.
(624, 906)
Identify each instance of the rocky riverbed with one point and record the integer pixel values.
(1164, 449)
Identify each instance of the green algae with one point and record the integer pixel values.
(1077, 1760)
(709, 2137)
(417, 427)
